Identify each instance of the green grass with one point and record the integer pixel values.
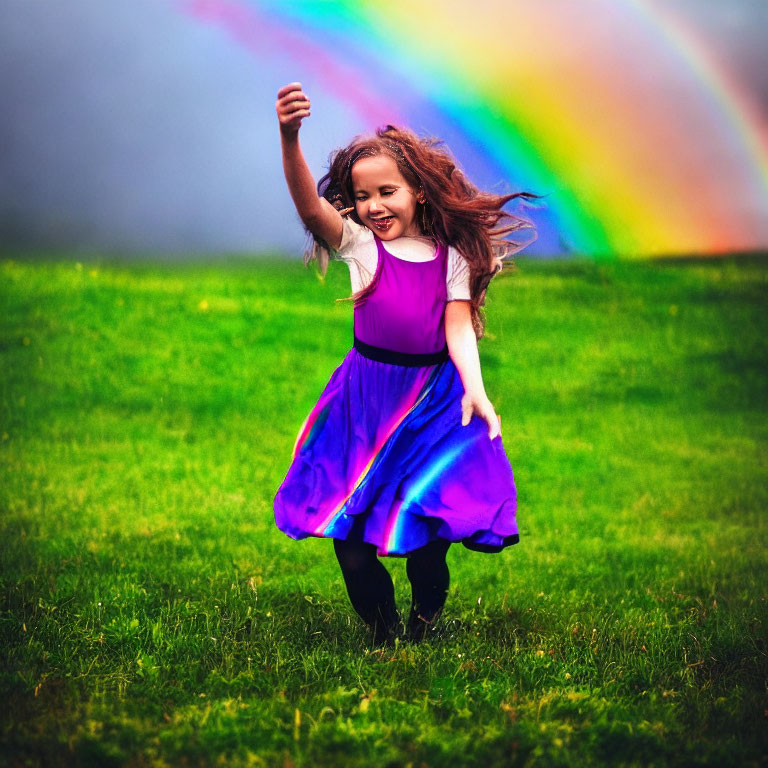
(153, 615)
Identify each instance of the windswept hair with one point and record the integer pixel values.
(455, 211)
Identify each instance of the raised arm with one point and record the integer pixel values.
(462, 347)
(318, 215)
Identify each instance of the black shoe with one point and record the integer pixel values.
(420, 628)
(385, 636)
(385, 629)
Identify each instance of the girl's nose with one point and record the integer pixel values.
(374, 205)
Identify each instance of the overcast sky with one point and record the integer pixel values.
(127, 126)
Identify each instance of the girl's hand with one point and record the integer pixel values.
(480, 405)
(292, 107)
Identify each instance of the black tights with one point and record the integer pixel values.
(371, 591)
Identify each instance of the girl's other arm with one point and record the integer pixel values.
(462, 347)
(318, 215)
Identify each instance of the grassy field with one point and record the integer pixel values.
(152, 615)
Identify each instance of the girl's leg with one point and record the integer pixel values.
(429, 576)
(369, 586)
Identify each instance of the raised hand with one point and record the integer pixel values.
(292, 107)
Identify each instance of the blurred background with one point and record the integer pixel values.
(148, 126)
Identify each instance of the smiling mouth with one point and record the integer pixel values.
(383, 223)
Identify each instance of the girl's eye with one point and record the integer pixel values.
(388, 192)
(359, 199)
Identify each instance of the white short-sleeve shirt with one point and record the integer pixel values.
(358, 250)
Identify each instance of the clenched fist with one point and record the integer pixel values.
(292, 107)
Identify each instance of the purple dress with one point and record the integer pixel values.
(383, 456)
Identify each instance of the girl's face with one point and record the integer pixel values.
(384, 200)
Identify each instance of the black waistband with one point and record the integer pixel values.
(382, 355)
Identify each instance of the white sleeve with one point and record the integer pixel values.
(350, 234)
(457, 277)
(358, 250)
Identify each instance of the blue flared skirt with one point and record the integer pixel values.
(383, 458)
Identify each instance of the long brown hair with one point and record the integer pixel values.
(455, 212)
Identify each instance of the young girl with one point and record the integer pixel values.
(402, 454)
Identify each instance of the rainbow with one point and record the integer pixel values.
(626, 167)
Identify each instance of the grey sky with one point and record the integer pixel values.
(130, 126)
(127, 126)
